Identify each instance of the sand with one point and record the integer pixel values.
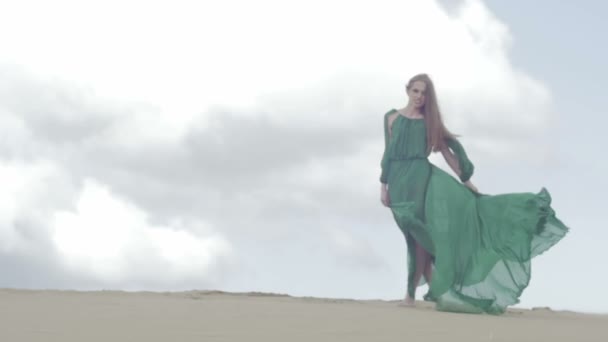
(217, 316)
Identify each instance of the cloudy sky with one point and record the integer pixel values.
(236, 145)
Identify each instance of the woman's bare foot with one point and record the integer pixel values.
(408, 301)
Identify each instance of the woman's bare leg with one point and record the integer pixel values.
(428, 269)
(423, 265)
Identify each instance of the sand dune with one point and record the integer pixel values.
(218, 316)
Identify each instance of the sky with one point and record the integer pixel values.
(236, 146)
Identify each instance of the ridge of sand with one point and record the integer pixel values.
(210, 315)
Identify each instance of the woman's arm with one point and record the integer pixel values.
(459, 162)
(385, 161)
(384, 196)
(450, 158)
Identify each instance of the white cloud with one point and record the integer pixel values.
(18, 182)
(94, 234)
(186, 56)
(111, 239)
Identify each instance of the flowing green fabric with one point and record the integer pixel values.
(481, 245)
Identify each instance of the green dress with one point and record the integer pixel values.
(481, 245)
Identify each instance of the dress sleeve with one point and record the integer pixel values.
(466, 166)
(385, 157)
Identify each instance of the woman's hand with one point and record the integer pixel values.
(384, 197)
(470, 185)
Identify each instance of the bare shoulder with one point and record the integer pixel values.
(390, 116)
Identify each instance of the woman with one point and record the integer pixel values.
(473, 250)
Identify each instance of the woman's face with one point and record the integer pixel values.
(417, 93)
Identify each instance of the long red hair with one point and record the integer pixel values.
(436, 132)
